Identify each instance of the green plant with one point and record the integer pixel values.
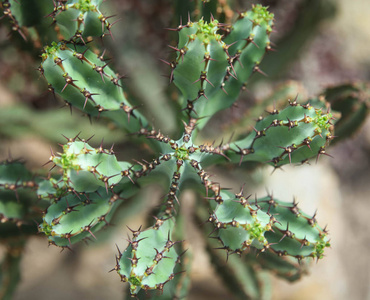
(213, 64)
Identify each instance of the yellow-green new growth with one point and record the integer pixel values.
(213, 65)
(206, 32)
(211, 69)
(259, 14)
(85, 5)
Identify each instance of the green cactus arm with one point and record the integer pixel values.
(91, 187)
(209, 71)
(240, 276)
(17, 193)
(14, 174)
(17, 198)
(267, 224)
(77, 217)
(19, 208)
(85, 168)
(13, 11)
(80, 19)
(179, 286)
(149, 261)
(92, 86)
(297, 234)
(294, 134)
(264, 224)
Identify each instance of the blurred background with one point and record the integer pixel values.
(319, 44)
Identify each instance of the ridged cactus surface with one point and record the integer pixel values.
(76, 217)
(84, 197)
(267, 223)
(149, 261)
(92, 86)
(86, 186)
(78, 19)
(210, 69)
(17, 193)
(291, 135)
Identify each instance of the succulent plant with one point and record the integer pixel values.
(213, 64)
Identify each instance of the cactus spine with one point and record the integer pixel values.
(210, 71)
(213, 64)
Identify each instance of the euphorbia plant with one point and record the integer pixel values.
(213, 64)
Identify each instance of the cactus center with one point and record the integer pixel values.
(256, 231)
(182, 153)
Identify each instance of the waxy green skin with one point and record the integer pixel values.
(77, 217)
(83, 199)
(87, 170)
(80, 19)
(150, 259)
(46, 21)
(267, 223)
(210, 71)
(85, 79)
(292, 135)
(214, 63)
(17, 195)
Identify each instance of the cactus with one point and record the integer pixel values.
(208, 67)
(17, 193)
(87, 185)
(17, 219)
(91, 87)
(87, 20)
(277, 138)
(144, 270)
(267, 224)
